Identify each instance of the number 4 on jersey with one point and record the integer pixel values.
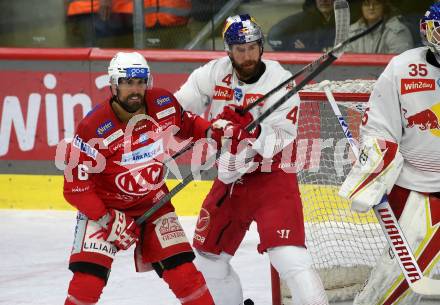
(293, 115)
(227, 79)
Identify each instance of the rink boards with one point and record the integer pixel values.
(44, 192)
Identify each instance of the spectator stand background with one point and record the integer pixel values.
(33, 23)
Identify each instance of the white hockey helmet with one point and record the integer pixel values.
(129, 65)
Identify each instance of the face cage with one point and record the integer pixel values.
(432, 34)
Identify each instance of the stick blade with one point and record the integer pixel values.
(426, 286)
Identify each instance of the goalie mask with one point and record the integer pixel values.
(430, 29)
(241, 29)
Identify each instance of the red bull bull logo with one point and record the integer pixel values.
(426, 119)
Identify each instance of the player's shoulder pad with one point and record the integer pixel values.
(162, 104)
(98, 122)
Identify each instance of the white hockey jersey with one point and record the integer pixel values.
(405, 108)
(215, 85)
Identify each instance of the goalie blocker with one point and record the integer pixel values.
(374, 174)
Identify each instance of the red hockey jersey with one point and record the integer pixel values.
(111, 164)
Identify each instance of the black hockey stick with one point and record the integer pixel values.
(330, 57)
(342, 21)
(390, 226)
(342, 14)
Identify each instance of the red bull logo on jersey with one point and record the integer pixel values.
(427, 119)
(223, 93)
(411, 85)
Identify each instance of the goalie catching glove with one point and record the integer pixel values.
(374, 174)
(121, 230)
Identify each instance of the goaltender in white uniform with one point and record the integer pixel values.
(264, 190)
(400, 155)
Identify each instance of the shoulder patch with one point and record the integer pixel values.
(163, 100)
(166, 112)
(104, 128)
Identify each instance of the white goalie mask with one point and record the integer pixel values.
(430, 29)
(129, 65)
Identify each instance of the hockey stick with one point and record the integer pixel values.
(390, 226)
(326, 59)
(342, 14)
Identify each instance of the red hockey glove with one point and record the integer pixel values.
(216, 131)
(122, 230)
(232, 113)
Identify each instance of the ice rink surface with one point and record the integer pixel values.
(34, 253)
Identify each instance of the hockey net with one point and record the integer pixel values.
(344, 245)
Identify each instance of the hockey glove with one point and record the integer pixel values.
(122, 230)
(216, 131)
(232, 113)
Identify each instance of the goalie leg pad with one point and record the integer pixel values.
(84, 289)
(387, 273)
(220, 277)
(294, 264)
(188, 284)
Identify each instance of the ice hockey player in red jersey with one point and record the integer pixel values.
(400, 156)
(114, 174)
(264, 190)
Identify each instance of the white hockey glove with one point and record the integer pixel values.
(374, 174)
(122, 230)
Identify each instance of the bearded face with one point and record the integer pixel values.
(246, 59)
(130, 94)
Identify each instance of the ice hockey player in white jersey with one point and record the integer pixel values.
(264, 190)
(400, 155)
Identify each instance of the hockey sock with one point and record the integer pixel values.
(294, 264)
(188, 285)
(84, 289)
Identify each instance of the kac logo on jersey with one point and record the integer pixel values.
(238, 94)
(163, 100)
(137, 72)
(104, 128)
(141, 180)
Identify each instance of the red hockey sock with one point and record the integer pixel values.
(188, 284)
(84, 289)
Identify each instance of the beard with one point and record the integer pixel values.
(132, 102)
(247, 69)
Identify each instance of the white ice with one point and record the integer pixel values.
(34, 252)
